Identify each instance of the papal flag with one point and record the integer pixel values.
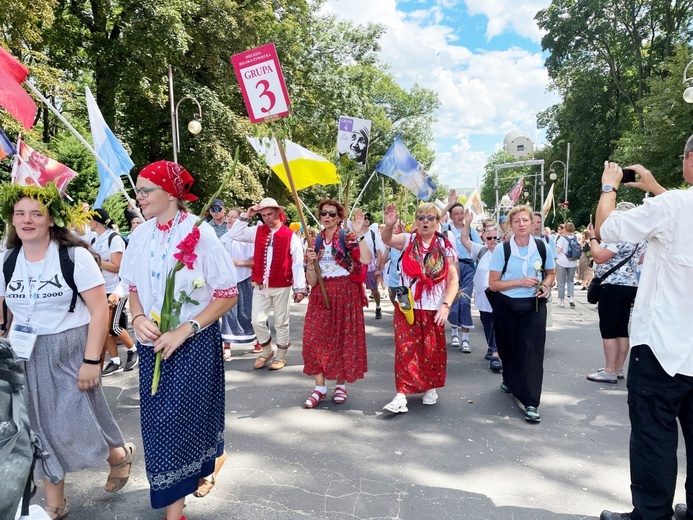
(550, 201)
(475, 206)
(307, 168)
(515, 191)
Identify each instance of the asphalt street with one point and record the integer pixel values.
(471, 456)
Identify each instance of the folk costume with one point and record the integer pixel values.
(420, 348)
(236, 325)
(334, 339)
(277, 272)
(183, 423)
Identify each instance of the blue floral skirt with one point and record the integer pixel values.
(183, 424)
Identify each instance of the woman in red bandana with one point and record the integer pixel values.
(183, 423)
(429, 270)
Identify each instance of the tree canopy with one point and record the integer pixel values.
(121, 50)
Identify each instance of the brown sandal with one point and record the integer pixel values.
(278, 364)
(58, 513)
(114, 484)
(261, 361)
(204, 486)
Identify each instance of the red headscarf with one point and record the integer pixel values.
(173, 178)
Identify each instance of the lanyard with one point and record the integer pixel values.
(28, 285)
(158, 262)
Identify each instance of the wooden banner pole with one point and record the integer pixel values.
(309, 241)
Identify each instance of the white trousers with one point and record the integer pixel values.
(277, 300)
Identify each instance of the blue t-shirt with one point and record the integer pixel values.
(514, 269)
(454, 237)
(393, 278)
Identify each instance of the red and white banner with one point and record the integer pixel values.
(515, 191)
(262, 83)
(31, 167)
(13, 97)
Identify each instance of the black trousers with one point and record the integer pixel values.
(655, 401)
(520, 327)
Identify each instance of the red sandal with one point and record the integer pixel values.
(315, 398)
(340, 395)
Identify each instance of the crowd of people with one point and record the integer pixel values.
(245, 266)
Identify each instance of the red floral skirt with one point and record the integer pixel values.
(420, 353)
(334, 339)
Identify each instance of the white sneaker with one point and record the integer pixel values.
(466, 348)
(397, 405)
(561, 303)
(455, 341)
(430, 397)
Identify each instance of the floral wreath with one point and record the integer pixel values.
(49, 198)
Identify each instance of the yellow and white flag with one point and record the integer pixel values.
(475, 206)
(550, 201)
(307, 168)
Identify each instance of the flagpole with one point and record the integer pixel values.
(297, 201)
(84, 142)
(309, 212)
(361, 194)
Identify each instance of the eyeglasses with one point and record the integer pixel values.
(324, 213)
(144, 192)
(215, 209)
(682, 157)
(421, 218)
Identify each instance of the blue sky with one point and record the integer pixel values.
(482, 57)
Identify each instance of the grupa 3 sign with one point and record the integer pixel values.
(262, 83)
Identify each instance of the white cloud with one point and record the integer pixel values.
(482, 92)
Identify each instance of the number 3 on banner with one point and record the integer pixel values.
(268, 93)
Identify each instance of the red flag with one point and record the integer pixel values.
(515, 191)
(12, 96)
(31, 167)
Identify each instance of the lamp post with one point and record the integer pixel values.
(688, 93)
(194, 126)
(553, 176)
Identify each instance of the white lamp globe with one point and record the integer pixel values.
(194, 127)
(553, 176)
(688, 95)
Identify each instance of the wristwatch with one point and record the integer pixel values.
(608, 188)
(195, 326)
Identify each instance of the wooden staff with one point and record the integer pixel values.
(282, 152)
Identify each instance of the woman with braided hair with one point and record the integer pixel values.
(429, 270)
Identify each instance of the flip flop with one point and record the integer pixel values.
(601, 377)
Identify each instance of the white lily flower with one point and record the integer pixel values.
(198, 283)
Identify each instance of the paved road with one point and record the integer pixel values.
(471, 456)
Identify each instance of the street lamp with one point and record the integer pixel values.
(553, 176)
(194, 126)
(688, 93)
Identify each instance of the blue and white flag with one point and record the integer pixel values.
(398, 164)
(110, 150)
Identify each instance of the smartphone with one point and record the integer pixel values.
(590, 219)
(628, 175)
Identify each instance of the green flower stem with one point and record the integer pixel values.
(169, 296)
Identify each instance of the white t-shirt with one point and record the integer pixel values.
(561, 258)
(481, 277)
(52, 295)
(430, 301)
(240, 251)
(328, 267)
(375, 244)
(100, 245)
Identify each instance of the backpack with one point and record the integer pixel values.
(540, 247)
(16, 451)
(110, 239)
(573, 250)
(357, 272)
(67, 268)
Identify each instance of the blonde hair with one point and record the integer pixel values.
(569, 227)
(521, 209)
(428, 207)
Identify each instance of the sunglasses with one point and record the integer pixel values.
(421, 218)
(324, 213)
(682, 157)
(494, 239)
(215, 209)
(144, 192)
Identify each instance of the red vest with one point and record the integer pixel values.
(280, 274)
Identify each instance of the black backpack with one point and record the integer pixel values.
(67, 268)
(16, 451)
(110, 239)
